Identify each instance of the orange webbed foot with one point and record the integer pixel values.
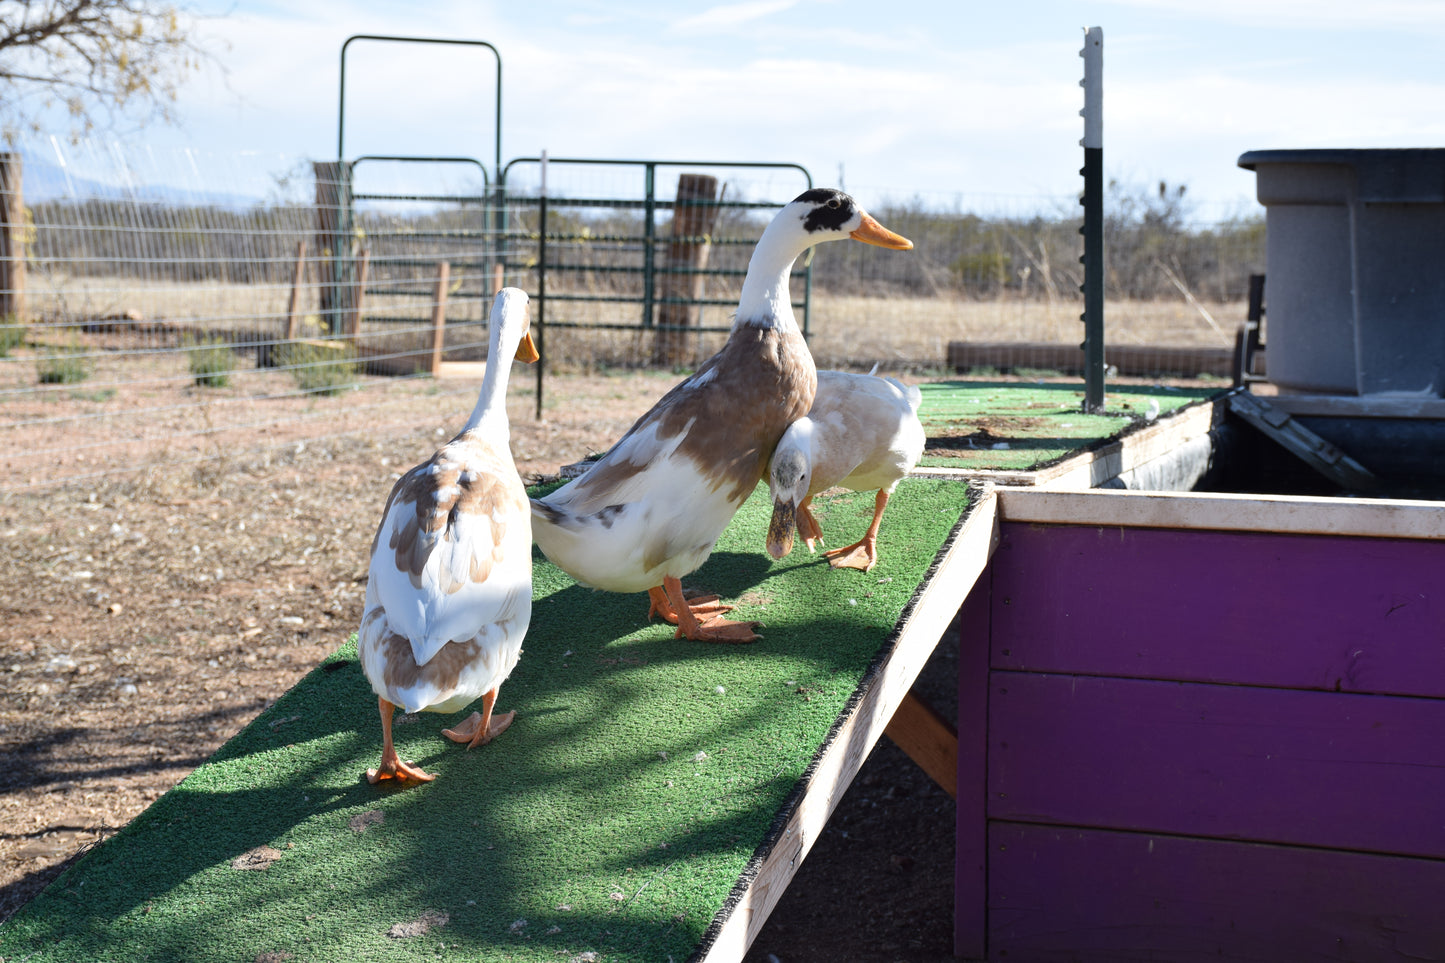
(808, 527)
(391, 765)
(703, 607)
(721, 630)
(394, 768)
(860, 555)
(474, 733)
(700, 617)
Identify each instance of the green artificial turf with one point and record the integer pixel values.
(614, 817)
(1021, 426)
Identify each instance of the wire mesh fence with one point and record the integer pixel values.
(160, 310)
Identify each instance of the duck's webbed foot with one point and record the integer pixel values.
(699, 619)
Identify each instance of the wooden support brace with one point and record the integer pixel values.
(293, 305)
(928, 740)
(353, 317)
(439, 317)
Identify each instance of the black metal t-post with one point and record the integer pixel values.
(1093, 229)
(539, 316)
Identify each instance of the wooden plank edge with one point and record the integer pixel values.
(1281, 514)
(801, 819)
(1128, 359)
(1092, 468)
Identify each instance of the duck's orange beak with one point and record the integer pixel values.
(871, 232)
(527, 350)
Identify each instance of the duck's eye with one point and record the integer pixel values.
(834, 203)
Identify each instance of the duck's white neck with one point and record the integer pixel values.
(491, 410)
(766, 301)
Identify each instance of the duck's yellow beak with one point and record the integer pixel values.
(871, 232)
(780, 529)
(527, 350)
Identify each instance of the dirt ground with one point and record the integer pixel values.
(149, 617)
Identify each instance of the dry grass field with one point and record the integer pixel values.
(137, 409)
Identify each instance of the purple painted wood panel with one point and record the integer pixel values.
(970, 884)
(1301, 611)
(1271, 765)
(1068, 894)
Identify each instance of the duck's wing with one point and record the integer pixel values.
(453, 552)
(701, 433)
(866, 430)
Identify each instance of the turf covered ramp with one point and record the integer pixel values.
(650, 802)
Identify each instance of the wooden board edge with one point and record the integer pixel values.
(801, 820)
(1092, 468)
(1282, 514)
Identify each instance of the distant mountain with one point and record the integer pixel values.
(44, 180)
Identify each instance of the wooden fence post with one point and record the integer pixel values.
(12, 240)
(693, 218)
(333, 242)
(439, 317)
(353, 318)
(293, 304)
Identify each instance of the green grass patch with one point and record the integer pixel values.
(614, 817)
(63, 366)
(319, 367)
(12, 334)
(211, 360)
(1009, 425)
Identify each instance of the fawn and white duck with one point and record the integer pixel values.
(449, 596)
(649, 511)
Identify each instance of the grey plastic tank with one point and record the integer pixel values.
(1355, 293)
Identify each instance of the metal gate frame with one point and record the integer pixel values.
(490, 245)
(649, 204)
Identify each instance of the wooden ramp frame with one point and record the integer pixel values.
(868, 715)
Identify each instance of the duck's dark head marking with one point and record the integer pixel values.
(831, 209)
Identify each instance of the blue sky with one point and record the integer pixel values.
(976, 101)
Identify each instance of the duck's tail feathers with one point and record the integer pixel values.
(915, 397)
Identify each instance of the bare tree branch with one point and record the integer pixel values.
(103, 60)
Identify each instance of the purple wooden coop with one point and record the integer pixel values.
(1212, 726)
(1203, 726)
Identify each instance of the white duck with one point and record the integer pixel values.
(649, 511)
(449, 595)
(862, 433)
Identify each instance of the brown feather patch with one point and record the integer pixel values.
(459, 480)
(442, 671)
(731, 414)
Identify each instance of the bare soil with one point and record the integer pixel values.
(149, 616)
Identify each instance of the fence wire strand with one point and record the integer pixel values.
(156, 304)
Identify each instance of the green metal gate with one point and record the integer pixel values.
(561, 250)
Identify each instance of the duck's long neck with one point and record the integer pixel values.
(491, 410)
(765, 299)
